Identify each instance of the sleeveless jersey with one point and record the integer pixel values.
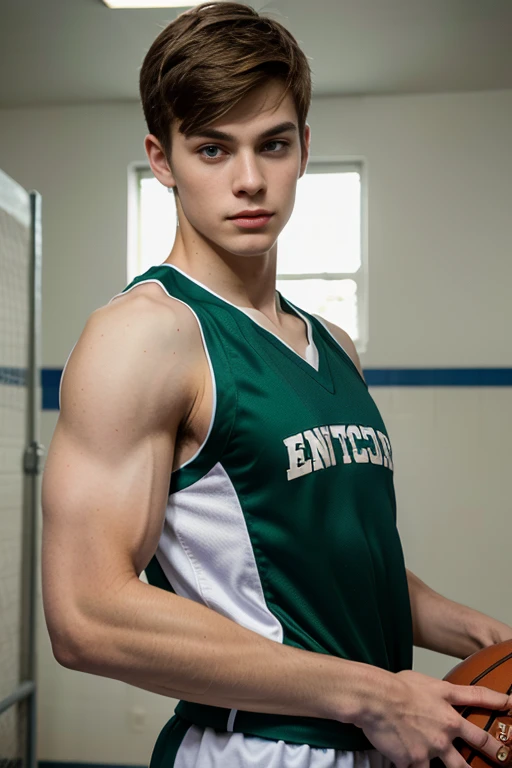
(285, 519)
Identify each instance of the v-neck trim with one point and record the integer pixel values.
(312, 358)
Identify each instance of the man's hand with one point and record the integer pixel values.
(495, 632)
(415, 721)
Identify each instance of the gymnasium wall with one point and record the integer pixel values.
(440, 241)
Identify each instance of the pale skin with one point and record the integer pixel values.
(136, 402)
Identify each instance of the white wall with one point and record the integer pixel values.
(440, 236)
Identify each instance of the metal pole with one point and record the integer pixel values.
(31, 466)
(21, 693)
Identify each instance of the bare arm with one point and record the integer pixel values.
(448, 627)
(130, 383)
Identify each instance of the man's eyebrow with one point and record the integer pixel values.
(213, 133)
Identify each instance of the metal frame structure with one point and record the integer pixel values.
(27, 688)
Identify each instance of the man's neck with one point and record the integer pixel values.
(248, 282)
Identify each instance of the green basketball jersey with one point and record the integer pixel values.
(285, 518)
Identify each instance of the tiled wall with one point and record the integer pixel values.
(12, 445)
(452, 450)
(14, 257)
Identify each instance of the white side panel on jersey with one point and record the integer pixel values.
(205, 552)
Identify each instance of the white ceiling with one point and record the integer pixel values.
(79, 51)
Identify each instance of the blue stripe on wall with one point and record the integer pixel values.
(376, 377)
(439, 377)
(50, 381)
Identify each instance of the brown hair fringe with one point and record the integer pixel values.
(206, 60)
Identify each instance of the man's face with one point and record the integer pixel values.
(257, 167)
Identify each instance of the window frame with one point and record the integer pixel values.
(360, 277)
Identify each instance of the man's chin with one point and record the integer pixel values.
(250, 254)
(243, 246)
(253, 245)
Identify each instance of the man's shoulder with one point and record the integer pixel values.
(133, 352)
(151, 306)
(138, 341)
(147, 315)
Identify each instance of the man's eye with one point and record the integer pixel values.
(209, 147)
(277, 141)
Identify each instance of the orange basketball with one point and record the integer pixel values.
(491, 668)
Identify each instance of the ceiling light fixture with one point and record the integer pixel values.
(140, 4)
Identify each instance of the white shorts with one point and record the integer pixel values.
(184, 745)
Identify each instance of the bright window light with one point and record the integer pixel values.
(319, 264)
(117, 4)
(321, 256)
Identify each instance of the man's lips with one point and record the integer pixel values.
(251, 214)
(252, 222)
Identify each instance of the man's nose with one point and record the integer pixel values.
(248, 174)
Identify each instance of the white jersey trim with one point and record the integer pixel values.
(63, 371)
(214, 383)
(311, 351)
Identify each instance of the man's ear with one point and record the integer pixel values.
(305, 152)
(158, 161)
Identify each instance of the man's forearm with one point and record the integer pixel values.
(173, 646)
(448, 627)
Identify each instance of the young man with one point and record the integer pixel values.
(216, 436)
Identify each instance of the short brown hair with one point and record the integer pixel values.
(206, 60)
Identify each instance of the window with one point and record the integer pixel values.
(321, 260)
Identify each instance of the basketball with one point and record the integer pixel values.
(492, 668)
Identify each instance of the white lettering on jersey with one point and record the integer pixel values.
(375, 458)
(361, 456)
(298, 464)
(386, 446)
(326, 433)
(339, 431)
(321, 448)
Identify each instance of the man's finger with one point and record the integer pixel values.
(478, 696)
(453, 759)
(485, 743)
